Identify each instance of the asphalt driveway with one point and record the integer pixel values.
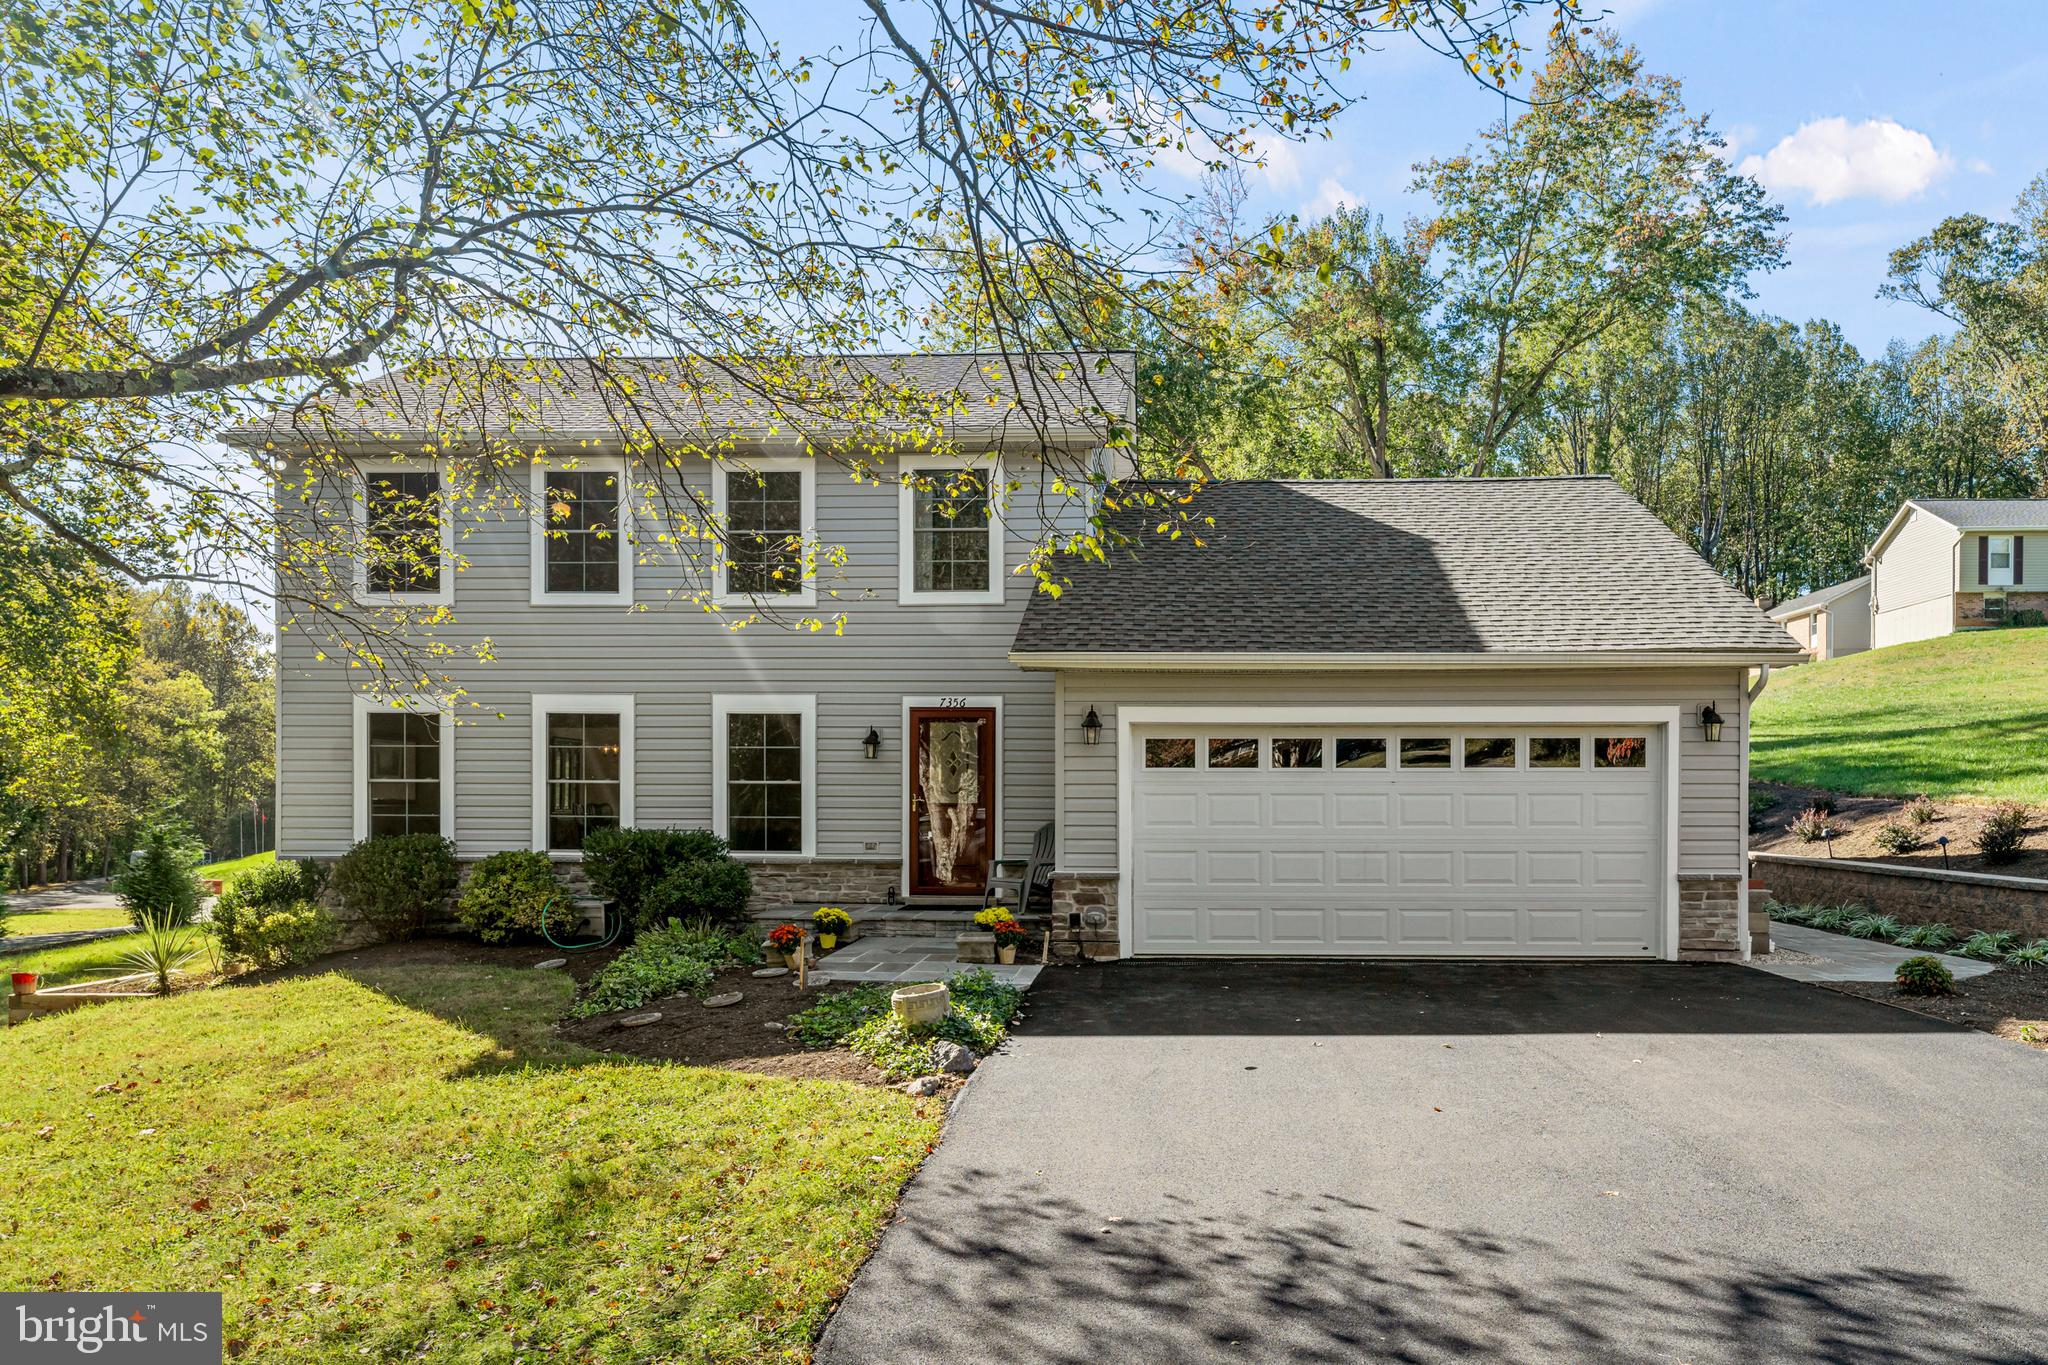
(1376, 1161)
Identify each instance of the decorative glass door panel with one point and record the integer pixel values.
(952, 800)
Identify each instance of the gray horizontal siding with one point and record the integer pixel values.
(672, 656)
(1713, 808)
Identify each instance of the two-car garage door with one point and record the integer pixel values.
(1327, 841)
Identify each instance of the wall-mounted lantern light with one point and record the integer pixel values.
(872, 744)
(1710, 723)
(1091, 728)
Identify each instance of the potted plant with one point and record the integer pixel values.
(787, 940)
(25, 983)
(830, 922)
(1008, 934)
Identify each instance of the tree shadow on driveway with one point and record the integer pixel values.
(1035, 1277)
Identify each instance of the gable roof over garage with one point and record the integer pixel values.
(1390, 572)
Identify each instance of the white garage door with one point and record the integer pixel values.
(1502, 842)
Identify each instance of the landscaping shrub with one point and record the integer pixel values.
(2034, 955)
(1810, 824)
(1898, 836)
(714, 888)
(861, 1020)
(2026, 616)
(1793, 914)
(163, 947)
(663, 961)
(1834, 918)
(506, 893)
(1924, 976)
(163, 881)
(1874, 926)
(830, 919)
(2003, 831)
(1921, 810)
(395, 882)
(270, 916)
(625, 865)
(1935, 936)
(1987, 946)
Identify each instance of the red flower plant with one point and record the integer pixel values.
(1008, 933)
(785, 937)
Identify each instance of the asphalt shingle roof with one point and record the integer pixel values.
(1988, 513)
(1564, 566)
(1819, 597)
(970, 394)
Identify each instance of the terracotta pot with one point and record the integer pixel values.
(25, 983)
(1007, 956)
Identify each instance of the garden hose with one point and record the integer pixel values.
(614, 922)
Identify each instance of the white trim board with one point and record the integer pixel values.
(805, 596)
(1333, 661)
(804, 704)
(363, 706)
(561, 703)
(1667, 725)
(943, 702)
(537, 540)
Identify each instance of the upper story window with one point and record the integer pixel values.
(1998, 570)
(581, 552)
(952, 531)
(767, 508)
(404, 770)
(407, 545)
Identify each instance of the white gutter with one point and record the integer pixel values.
(1250, 661)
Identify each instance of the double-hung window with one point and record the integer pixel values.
(764, 773)
(581, 547)
(951, 535)
(405, 535)
(583, 769)
(1998, 562)
(404, 769)
(766, 509)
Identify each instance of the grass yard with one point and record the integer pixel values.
(1962, 716)
(235, 867)
(22, 923)
(94, 961)
(404, 1161)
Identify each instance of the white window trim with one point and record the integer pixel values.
(359, 758)
(537, 539)
(807, 594)
(727, 704)
(907, 593)
(1665, 725)
(556, 703)
(444, 596)
(993, 702)
(1994, 575)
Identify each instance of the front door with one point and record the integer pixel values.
(952, 800)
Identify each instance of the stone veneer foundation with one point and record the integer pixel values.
(863, 881)
(1084, 911)
(1710, 924)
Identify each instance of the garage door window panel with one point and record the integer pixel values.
(1298, 753)
(1362, 752)
(1426, 751)
(1554, 751)
(1621, 751)
(1233, 753)
(1169, 753)
(1490, 752)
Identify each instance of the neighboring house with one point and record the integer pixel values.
(1947, 564)
(1491, 717)
(1829, 622)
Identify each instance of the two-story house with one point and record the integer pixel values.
(1495, 717)
(1947, 564)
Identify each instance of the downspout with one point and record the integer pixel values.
(1763, 676)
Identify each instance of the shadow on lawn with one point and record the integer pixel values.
(1901, 750)
(1037, 1278)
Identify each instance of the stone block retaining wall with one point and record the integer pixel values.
(1968, 900)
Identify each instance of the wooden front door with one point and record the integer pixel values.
(952, 800)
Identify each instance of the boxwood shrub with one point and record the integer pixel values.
(395, 882)
(506, 893)
(271, 916)
(656, 875)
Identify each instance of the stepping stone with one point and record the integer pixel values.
(771, 971)
(775, 1024)
(719, 1002)
(641, 1020)
(923, 1085)
(551, 964)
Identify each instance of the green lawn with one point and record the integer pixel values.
(94, 961)
(405, 1163)
(1960, 716)
(25, 922)
(235, 867)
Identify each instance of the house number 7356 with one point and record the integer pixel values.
(953, 701)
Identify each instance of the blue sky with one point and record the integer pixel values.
(1869, 121)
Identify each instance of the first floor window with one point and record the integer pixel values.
(764, 781)
(584, 767)
(402, 532)
(404, 767)
(582, 542)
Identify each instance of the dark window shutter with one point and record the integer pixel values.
(1983, 560)
(2019, 560)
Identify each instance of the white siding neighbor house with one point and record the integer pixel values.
(1829, 622)
(1947, 564)
(1493, 717)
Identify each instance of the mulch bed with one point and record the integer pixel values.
(2000, 1002)
(1857, 819)
(736, 1037)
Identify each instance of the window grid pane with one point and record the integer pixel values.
(950, 523)
(401, 516)
(582, 544)
(585, 767)
(764, 789)
(765, 531)
(404, 774)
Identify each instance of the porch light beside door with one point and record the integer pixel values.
(1710, 723)
(871, 744)
(1091, 728)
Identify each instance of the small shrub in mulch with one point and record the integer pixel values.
(1898, 836)
(1810, 825)
(1924, 976)
(1921, 810)
(2003, 831)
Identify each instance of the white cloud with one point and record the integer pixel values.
(1330, 196)
(1977, 165)
(1832, 158)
